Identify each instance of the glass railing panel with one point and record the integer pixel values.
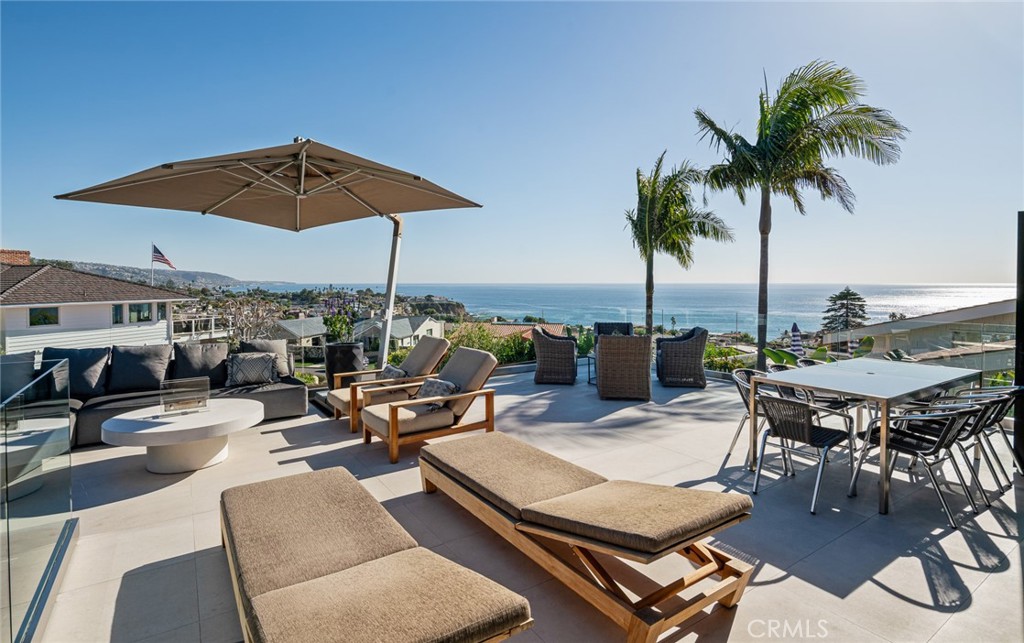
(36, 460)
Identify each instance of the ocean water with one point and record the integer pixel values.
(717, 307)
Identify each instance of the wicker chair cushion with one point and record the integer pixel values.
(411, 419)
(332, 523)
(638, 516)
(506, 472)
(468, 369)
(425, 355)
(413, 595)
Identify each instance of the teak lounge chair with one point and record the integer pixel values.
(418, 365)
(418, 419)
(575, 524)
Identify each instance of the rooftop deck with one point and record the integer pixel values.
(149, 565)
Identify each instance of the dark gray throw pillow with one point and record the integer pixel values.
(138, 368)
(16, 372)
(202, 360)
(278, 347)
(251, 368)
(87, 369)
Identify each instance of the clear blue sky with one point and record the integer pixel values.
(541, 112)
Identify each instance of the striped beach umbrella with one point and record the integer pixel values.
(796, 342)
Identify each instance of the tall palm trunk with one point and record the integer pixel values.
(765, 228)
(650, 294)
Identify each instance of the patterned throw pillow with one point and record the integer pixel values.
(251, 368)
(436, 388)
(391, 373)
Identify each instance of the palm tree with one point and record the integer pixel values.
(667, 220)
(814, 115)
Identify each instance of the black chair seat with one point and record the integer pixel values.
(822, 437)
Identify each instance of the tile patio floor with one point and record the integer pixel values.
(149, 566)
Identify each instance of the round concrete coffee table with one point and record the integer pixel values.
(181, 442)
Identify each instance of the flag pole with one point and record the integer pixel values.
(151, 246)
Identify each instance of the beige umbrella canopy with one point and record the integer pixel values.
(298, 186)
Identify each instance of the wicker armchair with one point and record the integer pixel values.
(556, 358)
(611, 328)
(624, 367)
(680, 359)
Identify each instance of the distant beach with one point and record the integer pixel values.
(719, 307)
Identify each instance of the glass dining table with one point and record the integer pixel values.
(881, 382)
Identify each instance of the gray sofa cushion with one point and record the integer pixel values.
(138, 368)
(202, 360)
(87, 369)
(91, 416)
(16, 372)
(277, 346)
(285, 398)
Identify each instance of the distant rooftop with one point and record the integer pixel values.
(46, 284)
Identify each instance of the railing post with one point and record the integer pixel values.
(1018, 362)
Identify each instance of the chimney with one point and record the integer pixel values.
(15, 257)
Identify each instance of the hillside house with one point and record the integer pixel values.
(43, 305)
(405, 331)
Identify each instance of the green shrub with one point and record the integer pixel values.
(514, 349)
(307, 378)
(722, 358)
(398, 355)
(584, 339)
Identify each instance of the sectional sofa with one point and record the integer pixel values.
(108, 381)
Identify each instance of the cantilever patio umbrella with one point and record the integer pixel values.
(298, 186)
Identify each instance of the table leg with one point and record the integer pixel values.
(883, 457)
(752, 460)
(187, 456)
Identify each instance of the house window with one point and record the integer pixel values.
(430, 331)
(117, 314)
(161, 312)
(43, 316)
(139, 313)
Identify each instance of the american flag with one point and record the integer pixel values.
(160, 258)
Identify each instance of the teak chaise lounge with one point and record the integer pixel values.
(313, 557)
(420, 418)
(418, 365)
(575, 524)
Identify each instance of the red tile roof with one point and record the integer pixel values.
(523, 330)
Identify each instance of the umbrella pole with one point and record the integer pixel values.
(389, 304)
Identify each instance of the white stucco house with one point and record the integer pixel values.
(405, 331)
(43, 305)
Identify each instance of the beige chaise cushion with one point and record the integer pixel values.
(468, 369)
(414, 595)
(289, 530)
(425, 355)
(506, 472)
(411, 419)
(643, 517)
(339, 397)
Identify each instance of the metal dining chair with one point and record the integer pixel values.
(994, 424)
(792, 421)
(741, 377)
(932, 451)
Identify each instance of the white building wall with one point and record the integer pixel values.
(81, 326)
